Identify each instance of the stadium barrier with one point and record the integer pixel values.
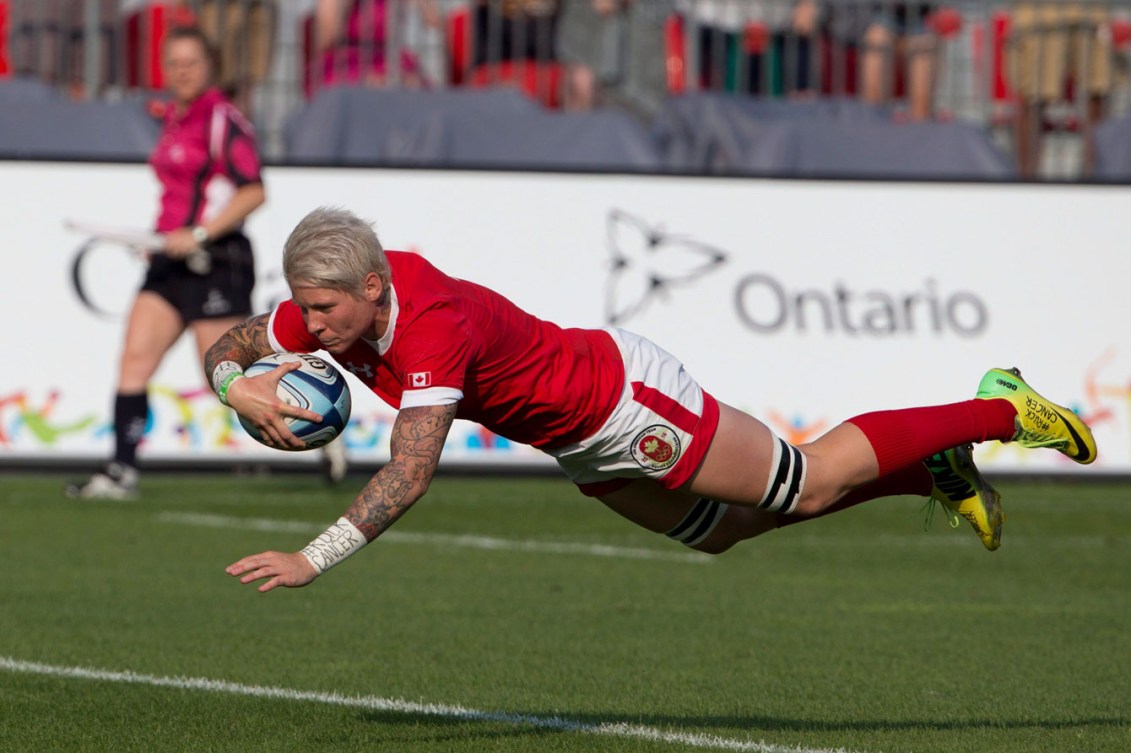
(804, 302)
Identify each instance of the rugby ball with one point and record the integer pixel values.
(316, 386)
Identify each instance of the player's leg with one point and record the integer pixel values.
(334, 460)
(671, 431)
(697, 522)
(747, 464)
(717, 508)
(713, 527)
(949, 477)
(841, 470)
(811, 479)
(153, 327)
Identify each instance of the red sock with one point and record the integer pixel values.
(903, 437)
(913, 479)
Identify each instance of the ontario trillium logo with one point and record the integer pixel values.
(656, 448)
(646, 262)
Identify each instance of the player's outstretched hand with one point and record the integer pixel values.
(289, 569)
(257, 400)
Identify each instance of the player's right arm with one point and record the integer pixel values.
(415, 446)
(255, 398)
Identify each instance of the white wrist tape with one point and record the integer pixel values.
(223, 375)
(333, 545)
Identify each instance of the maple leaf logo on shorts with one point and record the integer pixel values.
(656, 448)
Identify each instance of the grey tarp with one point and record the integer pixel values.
(36, 122)
(462, 128)
(728, 134)
(877, 150)
(712, 131)
(1113, 150)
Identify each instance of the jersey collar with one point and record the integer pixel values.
(386, 340)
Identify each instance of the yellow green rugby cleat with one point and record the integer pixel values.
(1040, 422)
(959, 486)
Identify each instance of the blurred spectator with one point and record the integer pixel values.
(842, 26)
(243, 31)
(48, 40)
(649, 69)
(353, 37)
(755, 46)
(900, 48)
(518, 40)
(620, 47)
(515, 30)
(1055, 44)
(590, 36)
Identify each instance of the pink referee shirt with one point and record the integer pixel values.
(202, 156)
(521, 377)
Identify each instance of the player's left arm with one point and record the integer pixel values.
(244, 343)
(255, 398)
(415, 447)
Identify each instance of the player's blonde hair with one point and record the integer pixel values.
(334, 248)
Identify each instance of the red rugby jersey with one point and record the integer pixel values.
(201, 157)
(521, 377)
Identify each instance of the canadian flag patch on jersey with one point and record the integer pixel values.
(420, 380)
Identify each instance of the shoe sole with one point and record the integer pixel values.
(73, 491)
(964, 466)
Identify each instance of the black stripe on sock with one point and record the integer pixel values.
(692, 518)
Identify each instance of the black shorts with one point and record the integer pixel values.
(223, 292)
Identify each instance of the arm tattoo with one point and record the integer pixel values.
(244, 343)
(416, 444)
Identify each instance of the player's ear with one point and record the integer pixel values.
(373, 287)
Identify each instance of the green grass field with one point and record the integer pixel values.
(515, 615)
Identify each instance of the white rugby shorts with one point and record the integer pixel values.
(660, 428)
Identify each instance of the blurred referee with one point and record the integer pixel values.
(207, 162)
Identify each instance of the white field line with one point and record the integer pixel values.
(442, 539)
(399, 706)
